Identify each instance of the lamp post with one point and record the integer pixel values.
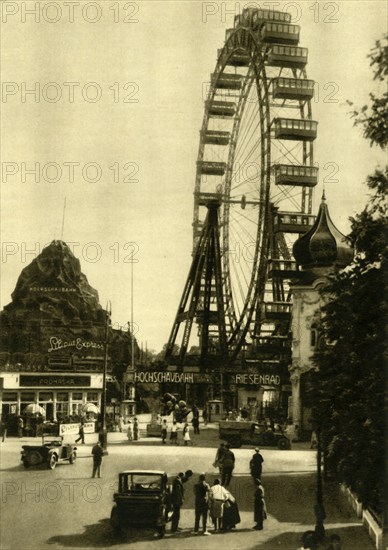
(104, 434)
(319, 508)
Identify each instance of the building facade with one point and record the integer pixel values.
(53, 337)
(320, 254)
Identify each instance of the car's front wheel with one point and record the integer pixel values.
(283, 444)
(53, 461)
(72, 458)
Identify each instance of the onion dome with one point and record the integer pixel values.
(323, 245)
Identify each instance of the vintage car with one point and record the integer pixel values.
(142, 500)
(251, 433)
(50, 452)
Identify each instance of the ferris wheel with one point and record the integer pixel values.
(256, 159)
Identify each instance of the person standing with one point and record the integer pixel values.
(121, 423)
(174, 434)
(135, 429)
(186, 434)
(260, 513)
(195, 420)
(3, 430)
(256, 464)
(195, 423)
(204, 415)
(129, 431)
(227, 468)
(217, 497)
(97, 453)
(81, 434)
(177, 499)
(201, 492)
(219, 456)
(20, 426)
(164, 431)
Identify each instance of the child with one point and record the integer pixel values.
(186, 434)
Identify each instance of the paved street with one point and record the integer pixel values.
(64, 508)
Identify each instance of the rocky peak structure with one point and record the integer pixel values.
(52, 305)
(53, 341)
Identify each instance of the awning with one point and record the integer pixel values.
(90, 408)
(33, 408)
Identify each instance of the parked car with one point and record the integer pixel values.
(142, 500)
(251, 433)
(51, 452)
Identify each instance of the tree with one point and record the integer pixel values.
(348, 386)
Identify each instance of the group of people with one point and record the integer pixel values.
(216, 501)
(213, 501)
(133, 431)
(174, 433)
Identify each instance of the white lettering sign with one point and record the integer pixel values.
(160, 377)
(79, 344)
(73, 429)
(258, 379)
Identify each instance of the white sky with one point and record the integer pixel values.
(168, 55)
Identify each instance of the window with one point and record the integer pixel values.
(10, 396)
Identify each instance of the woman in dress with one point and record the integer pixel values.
(231, 515)
(129, 431)
(260, 512)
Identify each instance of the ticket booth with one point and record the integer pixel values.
(128, 408)
(215, 410)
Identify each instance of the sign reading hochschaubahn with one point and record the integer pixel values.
(169, 377)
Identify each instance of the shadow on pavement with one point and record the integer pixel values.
(352, 538)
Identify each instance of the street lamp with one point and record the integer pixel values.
(319, 508)
(104, 434)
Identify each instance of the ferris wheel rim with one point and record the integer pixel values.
(257, 279)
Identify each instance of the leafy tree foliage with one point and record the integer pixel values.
(348, 387)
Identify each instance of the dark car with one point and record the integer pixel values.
(251, 433)
(142, 500)
(50, 452)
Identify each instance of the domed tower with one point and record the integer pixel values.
(321, 251)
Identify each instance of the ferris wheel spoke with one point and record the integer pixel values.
(246, 123)
(255, 149)
(248, 235)
(287, 194)
(287, 153)
(251, 132)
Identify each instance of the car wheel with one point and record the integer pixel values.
(52, 461)
(161, 531)
(235, 442)
(114, 518)
(34, 458)
(72, 458)
(283, 444)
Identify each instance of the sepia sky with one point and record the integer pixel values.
(114, 122)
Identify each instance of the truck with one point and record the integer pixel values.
(238, 433)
